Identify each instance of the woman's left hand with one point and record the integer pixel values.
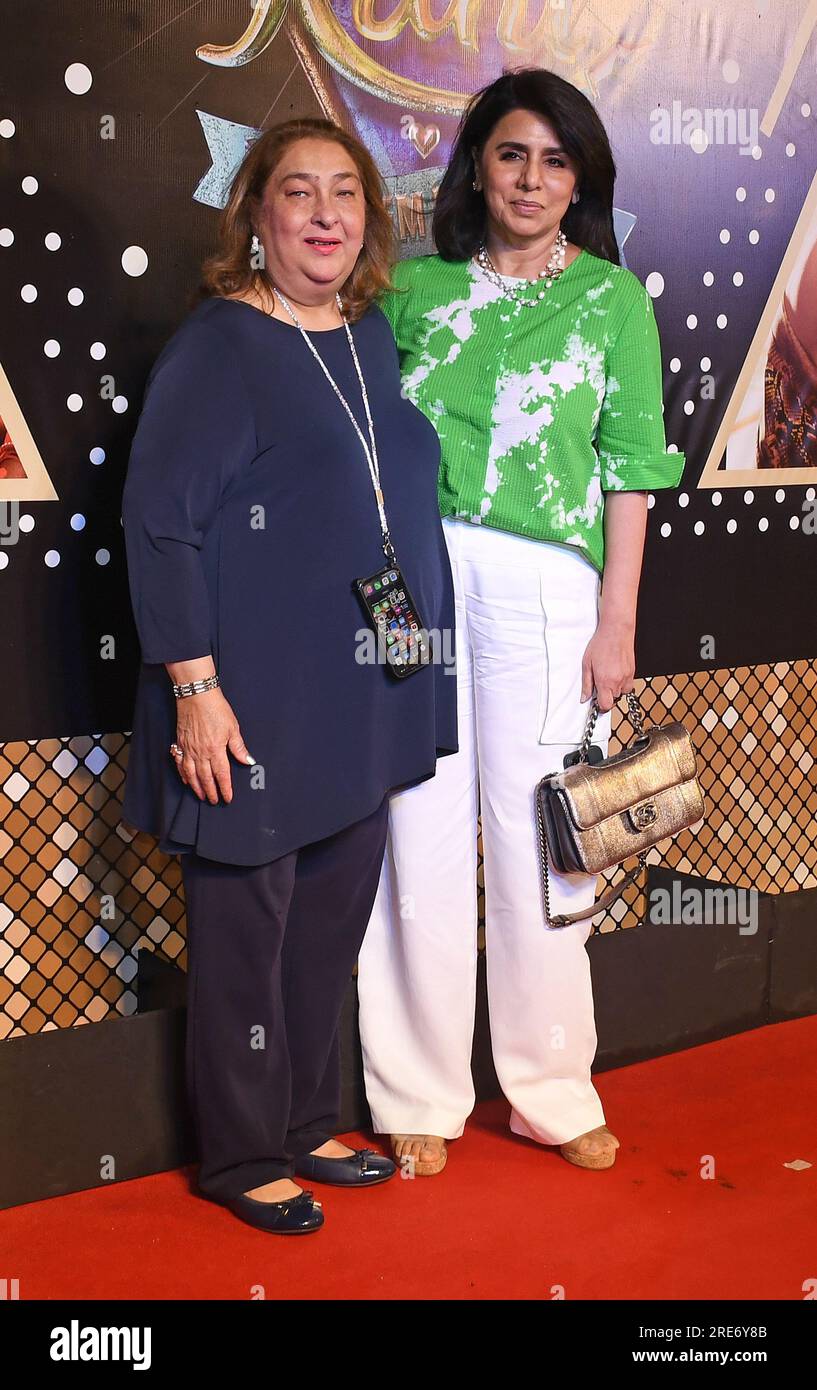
(608, 664)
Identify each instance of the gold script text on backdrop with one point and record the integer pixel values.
(562, 36)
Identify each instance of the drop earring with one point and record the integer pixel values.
(574, 197)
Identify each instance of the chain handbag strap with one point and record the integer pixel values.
(612, 893)
(634, 712)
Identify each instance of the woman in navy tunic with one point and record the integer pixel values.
(248, 513)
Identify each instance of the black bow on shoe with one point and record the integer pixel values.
(361, 1168)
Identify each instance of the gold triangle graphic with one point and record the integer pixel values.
(745, 408)
(795, 52)
(36, 486)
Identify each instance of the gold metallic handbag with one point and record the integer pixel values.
(593, 815)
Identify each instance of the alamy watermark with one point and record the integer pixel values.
(690, 906)
(714, 125)
(9, 523)
(406, 646)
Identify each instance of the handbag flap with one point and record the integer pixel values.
(663, 758)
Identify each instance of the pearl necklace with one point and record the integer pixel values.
(551, 272)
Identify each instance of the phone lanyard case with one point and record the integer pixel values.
(403, 641)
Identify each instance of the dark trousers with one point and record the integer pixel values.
(271, 949)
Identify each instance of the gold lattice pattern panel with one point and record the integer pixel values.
(80, 895)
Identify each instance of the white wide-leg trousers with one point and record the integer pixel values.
(525, 612)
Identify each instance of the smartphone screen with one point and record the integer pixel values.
(402, 638)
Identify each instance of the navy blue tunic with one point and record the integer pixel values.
(248, 512)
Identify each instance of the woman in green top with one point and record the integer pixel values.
(536, 356)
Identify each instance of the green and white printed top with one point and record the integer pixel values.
(540, 410)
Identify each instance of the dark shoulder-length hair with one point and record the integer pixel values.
(230, 269)
(459, 221)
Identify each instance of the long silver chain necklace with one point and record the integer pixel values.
(370, 449)
(550, 274)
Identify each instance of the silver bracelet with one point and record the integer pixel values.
(195, 687)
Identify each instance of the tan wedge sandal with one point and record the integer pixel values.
(605, 1159)
(425, 1167)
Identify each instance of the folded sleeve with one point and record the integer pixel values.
(195, 434)
(630, 438)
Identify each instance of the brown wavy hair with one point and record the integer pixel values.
(229, 270)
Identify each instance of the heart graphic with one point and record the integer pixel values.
(425, 138)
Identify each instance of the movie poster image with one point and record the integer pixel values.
(776, 424)
(10, 465)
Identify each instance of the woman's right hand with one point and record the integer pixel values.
(206, 730)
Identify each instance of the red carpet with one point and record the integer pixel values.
(507, 1218)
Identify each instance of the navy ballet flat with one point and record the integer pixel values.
(363, 1168)
(293, 1217)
